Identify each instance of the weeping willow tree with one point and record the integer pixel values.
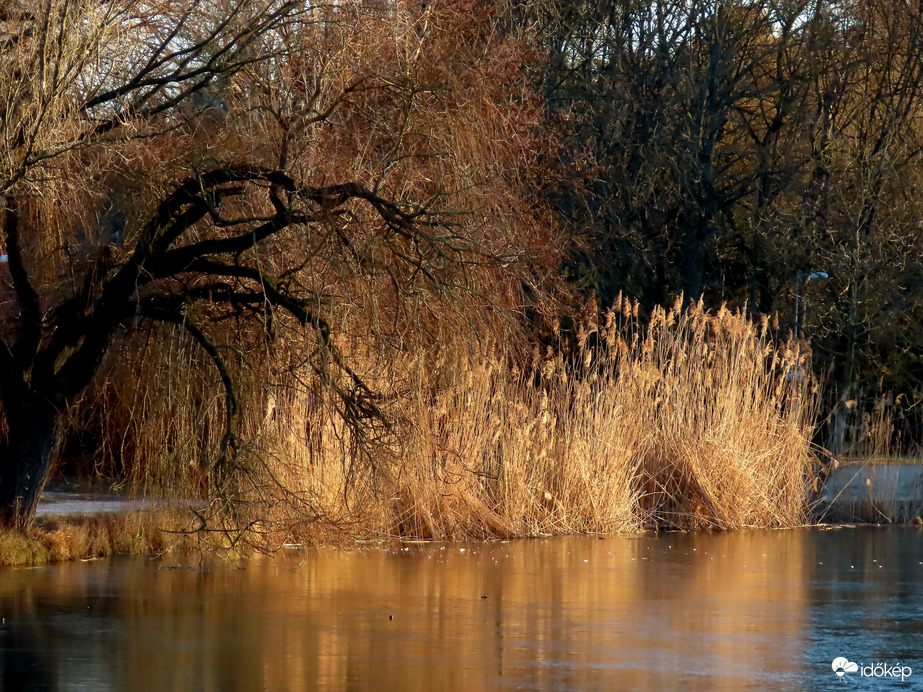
(213, 162)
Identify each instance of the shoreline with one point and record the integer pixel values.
(82, 525)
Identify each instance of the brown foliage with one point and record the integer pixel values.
(313, 187)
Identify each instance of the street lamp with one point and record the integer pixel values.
(802, 275)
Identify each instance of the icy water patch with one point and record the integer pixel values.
(69, 504)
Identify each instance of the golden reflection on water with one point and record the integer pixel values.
(548, 614)
(678, 611)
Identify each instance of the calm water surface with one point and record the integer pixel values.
(753, 610)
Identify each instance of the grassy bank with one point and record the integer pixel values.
(697, 421)
(87, 537)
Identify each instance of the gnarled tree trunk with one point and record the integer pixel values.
(25, 460)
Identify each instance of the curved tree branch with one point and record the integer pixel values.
(229, 439)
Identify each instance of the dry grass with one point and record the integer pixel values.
(696, 421)
(102, 535)
(881, 428)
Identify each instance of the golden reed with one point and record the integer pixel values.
(696, 420)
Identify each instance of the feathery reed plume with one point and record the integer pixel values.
(697, 420)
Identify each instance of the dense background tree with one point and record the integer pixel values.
(720, 148)
(862, 214)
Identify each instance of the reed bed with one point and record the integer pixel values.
(696, 420)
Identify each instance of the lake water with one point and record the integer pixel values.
(753, 610)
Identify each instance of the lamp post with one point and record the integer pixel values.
(802, 275)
